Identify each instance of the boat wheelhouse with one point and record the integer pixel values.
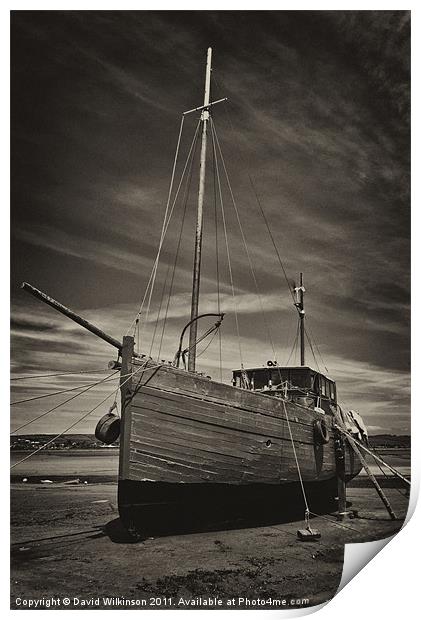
(299, 384)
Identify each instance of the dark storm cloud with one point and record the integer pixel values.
(318, 114)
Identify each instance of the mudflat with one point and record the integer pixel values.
(69, 550)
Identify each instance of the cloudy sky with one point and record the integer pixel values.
(318, 115)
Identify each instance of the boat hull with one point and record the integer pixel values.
(189, 442)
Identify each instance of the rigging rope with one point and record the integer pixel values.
(245, 243)
(165, 225)
(226, 244)
(168, 200)
(316, 345)
(217, 331)
(159, 309)
(218, 292)
(213, 328)
(59, 374)
(85, 415)
(307, 509)
(165, 228)
(312, 350)
(335, 522)
(27, 400)
(64, 402)
(294, 343)
(180, 235)
(77, 387)
(226, 109)
(272, 238)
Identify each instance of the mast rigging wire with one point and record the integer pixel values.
(216, 331)
(85, 415)
(316, 345)
(167, 204)
(27, 400)
(307, 509)
(59, 374)
(180, 235)
(164, 231)
(245, 243)
(165, 225)
(227, 245)
(218, 292)
(228, 115)
(312, 350)
(294, 343)
(272, 238)
(64, 402)
(226, 110)
(159, 309)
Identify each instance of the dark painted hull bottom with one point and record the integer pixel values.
(151, 508)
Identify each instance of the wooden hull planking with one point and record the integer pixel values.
(182, 428)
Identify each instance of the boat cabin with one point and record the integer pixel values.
(299, 384)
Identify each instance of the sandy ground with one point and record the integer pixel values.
(67, 541)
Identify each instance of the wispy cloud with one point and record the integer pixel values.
(318, 116)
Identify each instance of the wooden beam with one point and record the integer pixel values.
(71, 315)
(126, 389)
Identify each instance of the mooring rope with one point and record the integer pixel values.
(85, 415)
(307, 509)
(59, 374)
(72, 389)
(106, 379)
(334, 522)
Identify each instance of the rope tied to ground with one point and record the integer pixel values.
(307, 509)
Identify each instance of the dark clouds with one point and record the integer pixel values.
(319, 115)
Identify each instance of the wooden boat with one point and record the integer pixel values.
(187, 439)
(190, 443)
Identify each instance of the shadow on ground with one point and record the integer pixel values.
(140, 521)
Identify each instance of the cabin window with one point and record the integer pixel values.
(313, 382)
(277, 377)
(260, 379)
(300, 379)
(323, 386)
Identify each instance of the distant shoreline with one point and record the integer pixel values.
(73, 451)
(87, 443)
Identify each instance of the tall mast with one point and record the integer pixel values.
(299, 303)
(199, 222)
